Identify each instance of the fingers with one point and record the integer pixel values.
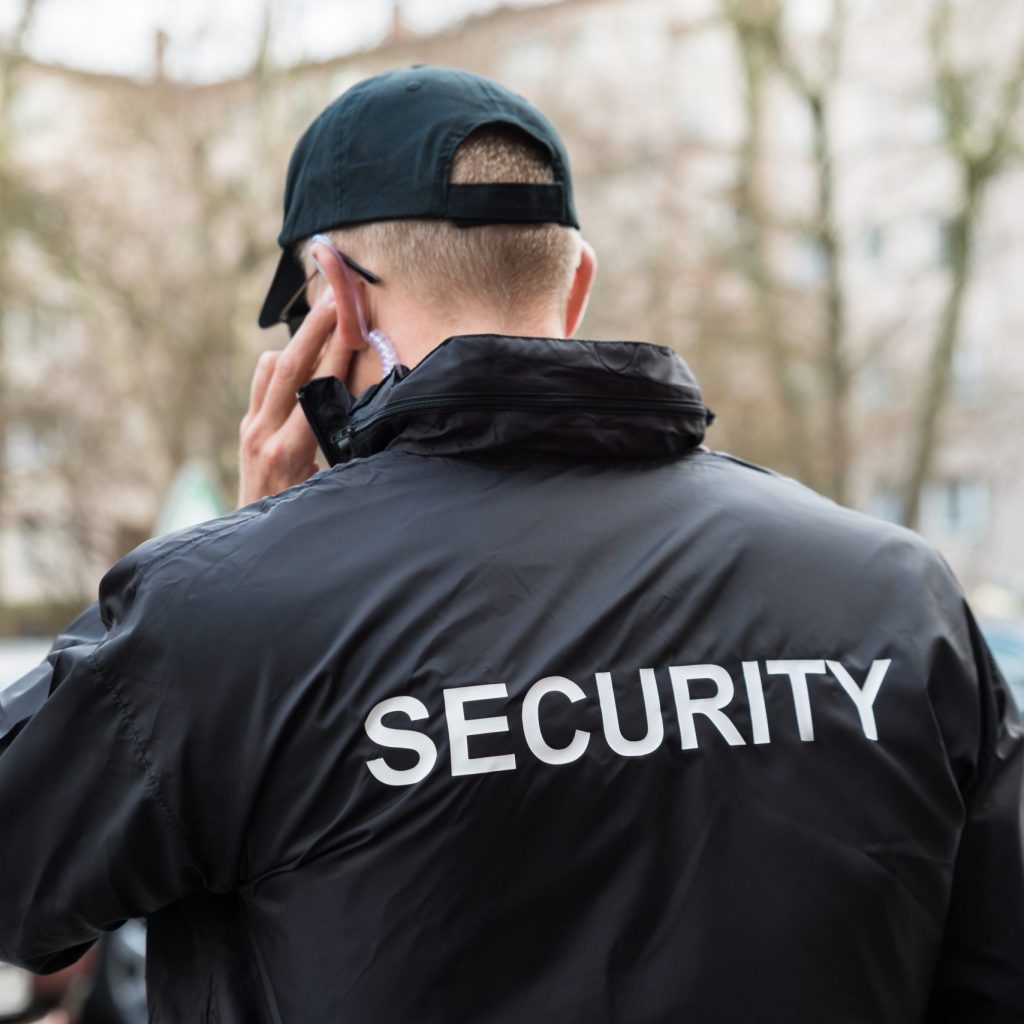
(270, 463)
(335, 357)
(277, 448)
(295, 438)
(295, 364)
(260, 380)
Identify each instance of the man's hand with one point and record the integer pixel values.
(277, 448)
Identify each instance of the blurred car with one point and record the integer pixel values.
(16, 992)
(118, 993)
(1006, 638)
(57, 998)
(106, 986)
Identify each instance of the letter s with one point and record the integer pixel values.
(402, 739)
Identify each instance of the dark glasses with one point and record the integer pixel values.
(296, 309)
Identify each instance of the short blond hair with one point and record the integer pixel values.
(507, 267)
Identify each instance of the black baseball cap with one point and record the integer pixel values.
(383, 150)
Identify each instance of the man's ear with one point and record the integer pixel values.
(579, 292)
(349, 300)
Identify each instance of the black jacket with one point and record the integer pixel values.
(529, 709)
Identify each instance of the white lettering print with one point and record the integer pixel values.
(610, 716)
(710, 707)
(400, 739)
(461, 728)
(755, 698)
(798, 671)
(531, 721)
(863, 696)
(703, 695)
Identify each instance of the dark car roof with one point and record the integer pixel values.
(1006, 638)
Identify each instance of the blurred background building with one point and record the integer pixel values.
(818, 204)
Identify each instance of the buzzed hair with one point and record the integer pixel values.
(507, 267)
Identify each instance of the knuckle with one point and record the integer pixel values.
(285, 365)
(275, 455)
(251, 440)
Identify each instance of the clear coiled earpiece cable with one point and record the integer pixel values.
(377, 340)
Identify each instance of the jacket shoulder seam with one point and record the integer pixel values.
(140, 751)
(736, 460)
(222, 529)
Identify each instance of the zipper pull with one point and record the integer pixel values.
(342, 445)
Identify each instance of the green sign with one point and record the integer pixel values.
(193, 497)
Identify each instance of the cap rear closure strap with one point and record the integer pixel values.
(506, 204)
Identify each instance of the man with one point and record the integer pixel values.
(530, 708)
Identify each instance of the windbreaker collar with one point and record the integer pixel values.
(515, 398)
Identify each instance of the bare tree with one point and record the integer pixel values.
(154, 356)
(752, 21)
(981, 148)
(18, 207)
(766, 51)
(171, 318)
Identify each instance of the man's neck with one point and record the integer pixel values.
(422, 338)
(415, 339)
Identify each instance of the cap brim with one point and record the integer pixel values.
(288, 278)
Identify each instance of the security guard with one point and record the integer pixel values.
(530, 707)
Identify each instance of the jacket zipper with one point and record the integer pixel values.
(512, 402)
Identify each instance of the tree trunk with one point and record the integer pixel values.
(939, 371)
(10, 61)
(836, 368)
(755, 257)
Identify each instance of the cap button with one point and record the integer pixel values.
(413, 86)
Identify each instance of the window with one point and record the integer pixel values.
(877, 386)
(959, 509)
(885, 504)
(704, 115)
(808, 17)
(970, 373)
(874, 247)
(870, 117)
(32, 330)
(809, 261)
(924, 120)
(27, 448)
(945, 240)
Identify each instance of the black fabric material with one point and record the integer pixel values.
(494, 204)
(648, 818)
(22, 699)
(383, 150)
(628, 401)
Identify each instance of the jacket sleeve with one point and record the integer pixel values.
(980, 974)
(87, 838)
(20, 700)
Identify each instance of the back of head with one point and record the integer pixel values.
(510, 268)
(450, 187)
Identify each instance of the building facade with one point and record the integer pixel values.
(138, 348)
